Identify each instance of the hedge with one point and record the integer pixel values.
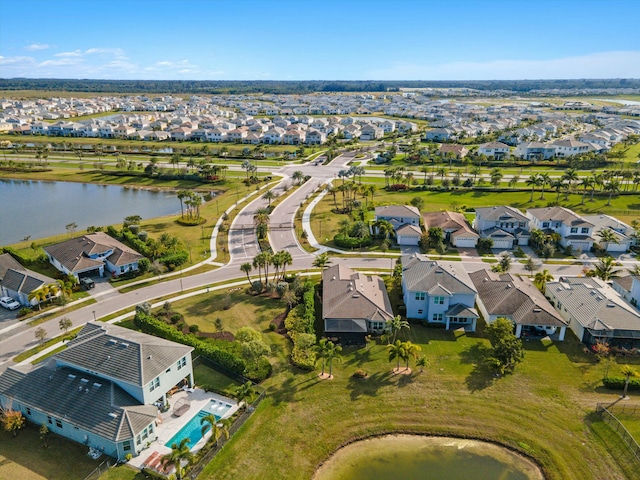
(617, 383)
(153, 326)
(300, 324)
(345, 241)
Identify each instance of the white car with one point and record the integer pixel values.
(10, 303)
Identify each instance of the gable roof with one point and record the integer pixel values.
(81, 399)
(24, 281)
(121, 354)
(348, 294)
(419, 274)
(514, 297)
(8, 262)
(502, 212)
(448, 222)
(558, 214)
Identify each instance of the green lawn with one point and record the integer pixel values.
(631, 422)
(24, 458)
(540, 410)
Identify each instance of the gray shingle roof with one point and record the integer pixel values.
(24, 281)
(397, 211)
(503, 212)
(437, 278)
(515, 298)
(81, 399)
(559, 214)
(347, 294)
(121, 354)
(7, 262)
(449, 222)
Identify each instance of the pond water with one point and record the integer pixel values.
(39, 209)
(413, 457)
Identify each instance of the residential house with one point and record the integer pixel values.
(534, 151)
(408, 234)
(405, 220)
(92, 253)
(574, 231)
(19, 283)
(293, 137)
(625, 235)
(273, 135)
(497, 150)
(407, 127)
(103, 390)
(459, 151)
(181, 134)
(595, 312)
(354, 305)
(371, 132)
(439, 135)
(315, 137)
(628, 286)
(455, 227)
(438, 292)
(569, 147)
(517, 299)
(505, 225)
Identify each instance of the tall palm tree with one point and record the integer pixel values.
(412, 351)
(395, 325)
(397, 351)
(384, 227)
(287, 259)
(545, 180)
(246, 268)
(534, 181)
(321, 260)
(613, 186)
(298, 176)
(269, 195)
(570, 175)
(604, 269)
(586, 183)
(333, 354)
(628, 372)
(244, 392)
(179, 452)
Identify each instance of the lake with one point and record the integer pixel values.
(41, 209)
(413, 457)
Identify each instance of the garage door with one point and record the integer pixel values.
(502, 243)
(407, 240)
(465, 242)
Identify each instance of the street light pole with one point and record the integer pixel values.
(94, 316)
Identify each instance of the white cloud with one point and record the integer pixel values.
(619, 64)
(37, 46)
(16, 61)
(75, 53)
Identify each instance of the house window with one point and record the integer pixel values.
(438, 300)
(574, 229)
(523, 224)
(138, 440)
(545, 224)
(182, 362)
(419, 312)
(168, 370)
(49, 420)
(420, 295)
(151, 428)
(155, 384)
(145, 434)
(58, 423)
(585, 230)
(438, 317)
(557, 225)
(126, 446)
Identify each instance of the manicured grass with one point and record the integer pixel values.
(631, 422)
(210, 378)
(540, 409)
(123, 472)
(24, 458)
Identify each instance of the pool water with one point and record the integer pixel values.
(193, 429)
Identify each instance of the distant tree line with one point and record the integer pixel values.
(299, 87)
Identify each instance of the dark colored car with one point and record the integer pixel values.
(86, 283)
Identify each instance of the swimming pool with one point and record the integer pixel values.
(193, 429)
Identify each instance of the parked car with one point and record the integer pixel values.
(9, 303)
(86, 283)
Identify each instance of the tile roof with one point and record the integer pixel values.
(81, 399)
(122, 354)
(420, 274)
(595, 304)
(515, 298)
(454, 222)
(558, 214)
(347, 294)
(397, 211)
(501, 212)
(74, 253)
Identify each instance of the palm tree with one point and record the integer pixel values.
(217, 427)
(360, 230)
(322, 260)
(542, 278)
(298, 176)
(534, 181)
(287, 259)
(570, 176)
(246, 268)
(244, 392)
(179, 452)
(397, 351)
(322, 351)
(333, 191)
(604, 269)
(395, 325)
(269, 195)
(607, 237)
(412, 350)
(586, 183)
(612, 187)
(496, 176)
(384, 227)
(65, 324)
(545, 180)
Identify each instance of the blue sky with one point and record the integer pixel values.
(320, 40)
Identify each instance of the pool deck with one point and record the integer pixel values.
(167, 425)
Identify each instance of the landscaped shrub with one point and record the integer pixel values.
(174, 260)
(300, 326)
(617, 383)
(346, 241)
(144, 264)
(24, 311)
(150, 325)
(143, 235)
(359, 373)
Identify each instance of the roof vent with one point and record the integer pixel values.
(123, 344)
(610, 305)
(113, 341)
(84, 380)
(598, 298)
(71, 375)
(113, 415)
(537, 310)
(149, 357)
(97, 385)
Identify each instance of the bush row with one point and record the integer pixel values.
(345, 241)
(617, 383)
(153, 326)
(300, 327)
